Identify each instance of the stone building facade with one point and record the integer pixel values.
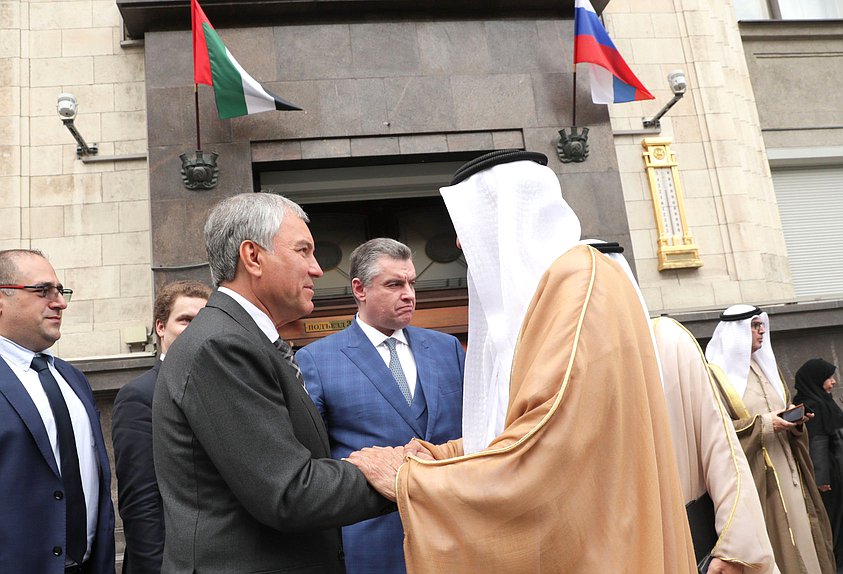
(760, 105)
(730, 201)
(92, 220)
(392, 87)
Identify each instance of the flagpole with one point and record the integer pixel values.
(196, 107)
(575, 96)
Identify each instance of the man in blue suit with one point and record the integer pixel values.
(55, 483)
(381, 382)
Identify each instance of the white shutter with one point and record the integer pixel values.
(811, 207)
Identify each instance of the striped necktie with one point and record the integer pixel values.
(290, 357)
(397, 371)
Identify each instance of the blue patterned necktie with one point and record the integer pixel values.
(77, 515)
(397, 371)
(290, 357)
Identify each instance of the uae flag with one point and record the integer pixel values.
(236, 92)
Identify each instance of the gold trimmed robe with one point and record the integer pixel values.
(583, 477)
(708, 453)
(754, 431)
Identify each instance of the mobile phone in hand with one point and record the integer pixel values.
(793, 415)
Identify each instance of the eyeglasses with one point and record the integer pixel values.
(756, 326)
(45, 290)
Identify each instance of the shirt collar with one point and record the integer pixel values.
(18, 355)
(263, 321)
(376, 337)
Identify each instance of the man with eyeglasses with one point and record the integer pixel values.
(55, 481)
(744, 367)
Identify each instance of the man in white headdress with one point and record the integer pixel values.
(723, 509)
(744, 366)
(563, 465)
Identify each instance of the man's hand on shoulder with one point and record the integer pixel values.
(380, 467)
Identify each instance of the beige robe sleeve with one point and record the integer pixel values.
(708, 452)
(449, 449)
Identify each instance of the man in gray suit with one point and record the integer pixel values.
(241, 453)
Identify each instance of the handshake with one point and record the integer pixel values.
(380, 464)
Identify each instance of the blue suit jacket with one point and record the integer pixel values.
(362, 406)
(138, 497)
(32, 527)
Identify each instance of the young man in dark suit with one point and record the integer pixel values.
(55, 481)
(138, 498)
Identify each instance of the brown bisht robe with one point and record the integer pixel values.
(749, 428)
(583, 477)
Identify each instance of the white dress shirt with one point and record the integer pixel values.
(405, 354)
(19, 360)
(263, 321)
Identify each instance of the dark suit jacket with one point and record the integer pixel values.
(137, 489)
(32, 508)
(362, 405)
(242, 457)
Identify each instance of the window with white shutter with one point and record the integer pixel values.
(811, 208)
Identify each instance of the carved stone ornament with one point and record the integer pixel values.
(199, 171)
(573, 146)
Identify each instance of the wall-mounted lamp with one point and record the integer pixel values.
(66, 107)
(678, 85)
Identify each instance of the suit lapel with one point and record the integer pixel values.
(362, 353)
(15, 393)
(233, 309)
(425, 369)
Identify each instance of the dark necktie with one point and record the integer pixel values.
(290, 357)
(77, 516)
(397, 371)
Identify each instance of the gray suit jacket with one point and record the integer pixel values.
(242, 457)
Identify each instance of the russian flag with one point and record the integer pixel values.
(612, 82)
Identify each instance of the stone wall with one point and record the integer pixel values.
(792, 64)
(375, 89)
(91, 220)
(729, 197)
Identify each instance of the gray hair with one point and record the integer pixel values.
(244, 217)
(9, 269)
(364, 259)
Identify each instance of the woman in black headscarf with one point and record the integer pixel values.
(814, 381)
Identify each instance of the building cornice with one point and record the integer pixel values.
(791, 29)
(141, 16)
